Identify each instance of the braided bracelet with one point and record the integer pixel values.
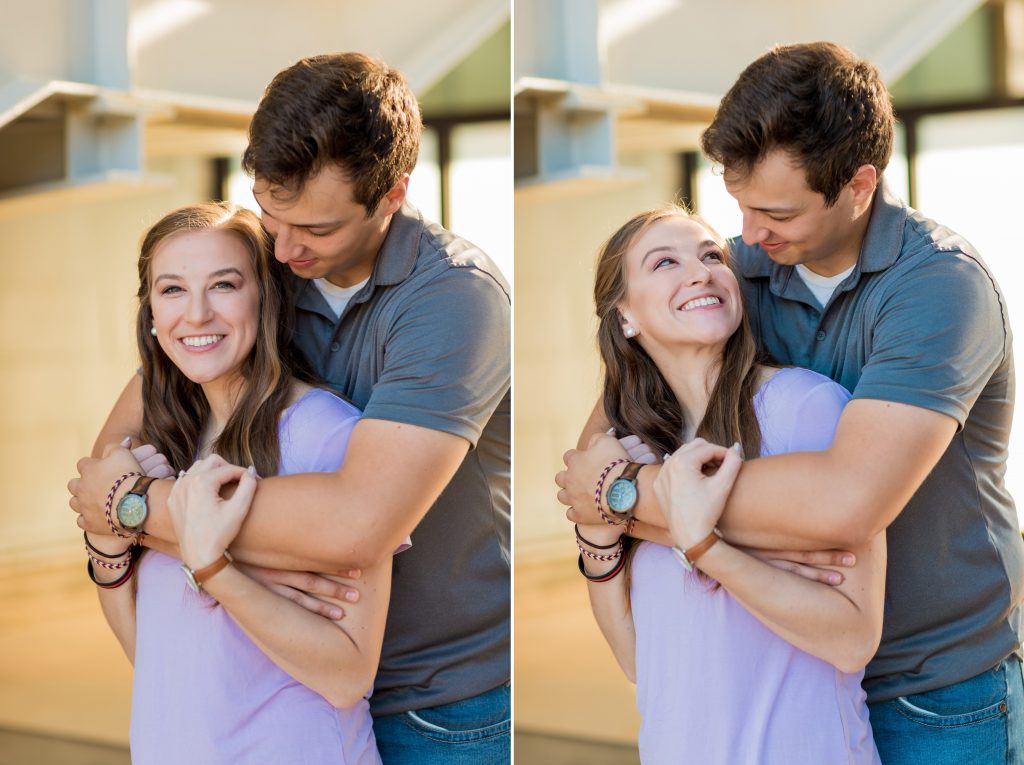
(616, 570)
(110, 505)
(117, 582)
(597, 556)
(599, 490)
(98, 556)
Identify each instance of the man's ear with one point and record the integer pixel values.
(863, 185)
(393, 199)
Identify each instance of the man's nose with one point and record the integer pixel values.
(286, 244)
(753, 231)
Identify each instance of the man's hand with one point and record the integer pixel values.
(810, 564)
(579, 479)
(96, 477)
(304, 587)
(153, 462)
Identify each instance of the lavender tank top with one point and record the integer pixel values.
(714, 685)
(203, 691)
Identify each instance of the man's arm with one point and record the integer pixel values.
(837, 498)
(334, 522)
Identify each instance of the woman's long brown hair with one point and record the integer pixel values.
(175, 410)
(637, 397)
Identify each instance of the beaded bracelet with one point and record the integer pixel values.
(599, 490)
(110, 505)
(597, 556)
(117, 582)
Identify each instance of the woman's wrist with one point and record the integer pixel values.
(598, 534)
(106, 544)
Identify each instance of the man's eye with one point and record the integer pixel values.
(321, 233)
(779, 220)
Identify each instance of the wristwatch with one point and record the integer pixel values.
(688, 557)
(622, 493)
(196, 578)
(133, 509)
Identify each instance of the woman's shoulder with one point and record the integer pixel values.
(312, 404)
(797, 382)
(798, 410)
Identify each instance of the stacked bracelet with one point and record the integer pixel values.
(117, 582)
(585, 546)
(102, 559)
(620, 556)
(599, 491)
(110, 506)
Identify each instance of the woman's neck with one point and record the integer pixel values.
(691, 373)
(222, 395)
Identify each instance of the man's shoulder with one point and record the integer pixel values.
(444, 255)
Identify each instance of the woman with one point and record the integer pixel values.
(735, 661)
(232, 672)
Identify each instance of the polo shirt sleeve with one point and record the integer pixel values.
(447, 355)
(938, 337)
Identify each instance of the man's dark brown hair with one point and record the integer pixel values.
(819, 102)
(343, 109)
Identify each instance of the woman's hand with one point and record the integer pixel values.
(205, 524)
(692, 492)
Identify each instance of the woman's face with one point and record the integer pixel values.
(679, 289)
(205, 303)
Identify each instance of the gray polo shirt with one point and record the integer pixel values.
(920, 321)
(427, 342)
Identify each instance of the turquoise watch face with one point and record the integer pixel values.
(132, 511)
(621, 495)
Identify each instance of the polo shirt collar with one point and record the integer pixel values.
(883, 239)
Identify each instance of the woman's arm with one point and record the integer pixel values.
(338, 662)
(336, 659)
(608, 599)
(841, 625)
(118, 604)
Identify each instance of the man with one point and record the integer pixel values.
(412, 324)
(841, 277)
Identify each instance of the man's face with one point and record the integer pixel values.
(322, 232)
(791, 223)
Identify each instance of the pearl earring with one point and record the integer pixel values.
(630, 332)
(152, 331)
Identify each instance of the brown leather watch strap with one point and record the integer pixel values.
(206, 572)
(631, 472)
(693, 553)
(142, 485)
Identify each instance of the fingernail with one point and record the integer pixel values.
(337, 613)
(127, 441)
(355, 573)
(665, 456)
(738, 448)
(252, 470)
(610, 431)
(835, 579)
(351, 597)
(181, 473)
(849, 560)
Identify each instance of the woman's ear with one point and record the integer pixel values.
(629, 329)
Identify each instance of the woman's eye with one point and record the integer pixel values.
(663, 262)
(713, 255)
(224, 286)
(170, 290)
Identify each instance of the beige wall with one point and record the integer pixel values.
(67, 347)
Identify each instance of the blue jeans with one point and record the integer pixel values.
(474, 731)
(978, 721)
